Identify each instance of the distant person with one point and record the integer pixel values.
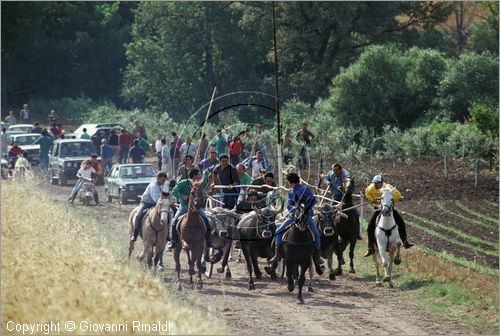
(187, 148)
(85, 135)
(219, 143)
(235, 151)
(25, 114)
(142, 142)
(4, 141)
(37, 128)
(45, 142)
(106, 156)
(203, 146)
(124, 141)
(287, 146)
(136, 153)
(113, 142)
(158, 147)
(138, 128)
(11, 119)
(183, 171)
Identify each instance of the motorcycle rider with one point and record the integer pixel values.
(85, 173)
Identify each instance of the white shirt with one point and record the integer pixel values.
(158, 146)
(86, 173)
(255, 167)
(187, 149)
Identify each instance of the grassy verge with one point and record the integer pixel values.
(60, 266)
(437, 281)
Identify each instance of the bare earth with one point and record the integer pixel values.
(348, 305)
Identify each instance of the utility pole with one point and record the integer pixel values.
(277, 97)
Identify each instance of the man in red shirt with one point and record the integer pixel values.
(124, 141)
(235, 150)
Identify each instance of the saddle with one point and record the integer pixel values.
(182, 216)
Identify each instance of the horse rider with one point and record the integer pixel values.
(181, 191)
(148, 200)
(299, 191)
(373, 193)
(335, 178)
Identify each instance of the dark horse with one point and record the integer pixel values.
(346, 224)
(298, 248)
(256, 230)
(192, 240)
(324, 218)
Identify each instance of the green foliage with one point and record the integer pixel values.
(485, 115)
(471, 78)
(483, 37)
(72, 110)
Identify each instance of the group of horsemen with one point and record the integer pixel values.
(225, 178)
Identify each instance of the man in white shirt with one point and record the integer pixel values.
(158, 147)
(187, 148)
(24, 114)
(257, 164)
(84, 173)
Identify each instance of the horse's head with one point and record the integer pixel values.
(301, 215)
(347, 186)
(326, 215)
(386, 201)
(163, 207)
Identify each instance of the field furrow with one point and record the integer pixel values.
(469, 220)
(493, 220)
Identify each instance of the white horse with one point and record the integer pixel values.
(387, 235)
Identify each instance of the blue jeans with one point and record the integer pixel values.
(107, 163)
(138, 216)
(44, 161)
(124, 149)
(183, 209)
(282, 228)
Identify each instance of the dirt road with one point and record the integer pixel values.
(348, 305)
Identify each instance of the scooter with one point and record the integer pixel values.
(86, 193)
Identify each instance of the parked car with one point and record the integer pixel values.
(25, 141)
(92, 128)
(103, 133)
(128, 181)
(25, 128)
(65, 159)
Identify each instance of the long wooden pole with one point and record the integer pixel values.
(203, 127)
(277, 97)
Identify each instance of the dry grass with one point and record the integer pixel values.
(54, 270)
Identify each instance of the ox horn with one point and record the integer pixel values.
(280, 210)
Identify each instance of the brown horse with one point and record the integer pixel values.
(154, 231)
(192, 239)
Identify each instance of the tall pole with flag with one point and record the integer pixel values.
(277, 97)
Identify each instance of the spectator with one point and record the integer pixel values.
(124, 141)
(209, 162)
(37, 128)
(235, 151)
(183, 171)
(203, 146)
(24, 114)
(142, 142)
(219, 143)
(84, 135)
(158, 147)
(256, 163)
(136, 153)
(225, 174)
(287, 146)
(53, 117)
(106, 156)
(45, 142)
(177, 141)
(187, 148)
(245, 179)
(54, 131)
(138, 128)
(166, 159)
(11, 119)
(113, 142)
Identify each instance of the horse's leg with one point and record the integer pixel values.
(289, 276)
(301, 281)
(177, 253)
(191, 262)
(227, 252)
(248, 260)
(392, 254)
(352, 245)
(377, 276)
(199, 282)
(397, 258)
(311, 275)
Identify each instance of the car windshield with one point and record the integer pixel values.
(25, 129)
(25, 140)
(77, 149)
(137, 171)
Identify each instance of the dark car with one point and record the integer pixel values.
(65, 159)
(128, 181)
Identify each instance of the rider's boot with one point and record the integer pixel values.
(318, 261)
(369, 252)
(407, 244)
(278, 254)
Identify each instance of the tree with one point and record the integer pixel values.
(471, 78)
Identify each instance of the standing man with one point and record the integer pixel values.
(235, 151)
(183, 171)
(136, 153)
(187, 148)
(245, 179)
(219, 143)
(106, 156)
(148, 200)
(256, 163)
(84, 135)
(287, 146)
(166, 159)
(158, 147)
(53, 118)
(305, 137)
(124, 142)
(143, 143)
(11, 119)
(113, 142)
(203, 146)
(138, 128)
(24, 114)
(45, 142)
(225, 174)
(37, 128)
